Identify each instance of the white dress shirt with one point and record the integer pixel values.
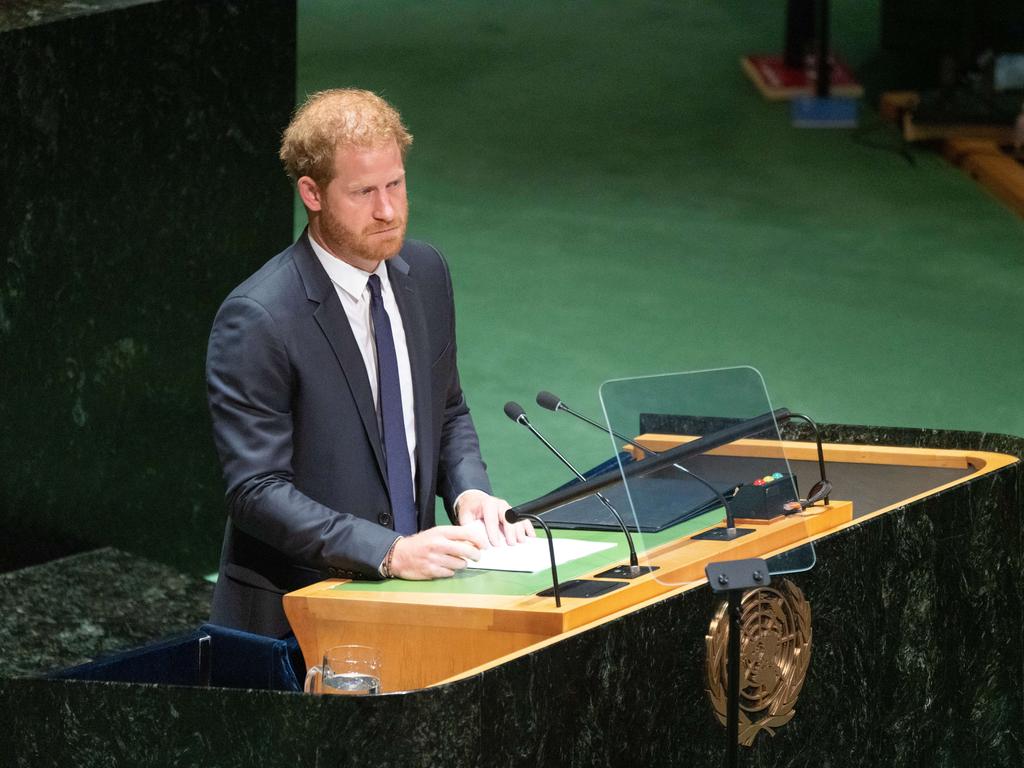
(351, 285)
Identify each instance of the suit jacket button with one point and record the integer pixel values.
(384, 518)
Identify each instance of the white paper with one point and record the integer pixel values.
(532, 555)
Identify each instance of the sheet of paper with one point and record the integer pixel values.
(532, 555)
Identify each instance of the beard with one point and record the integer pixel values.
(365, 245)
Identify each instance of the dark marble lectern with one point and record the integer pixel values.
(917, 660)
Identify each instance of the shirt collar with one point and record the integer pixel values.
(351, 280)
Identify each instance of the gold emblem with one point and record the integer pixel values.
(775, 651)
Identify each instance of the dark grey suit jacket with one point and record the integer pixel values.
(296, 429)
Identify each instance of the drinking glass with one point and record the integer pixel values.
(347, 670)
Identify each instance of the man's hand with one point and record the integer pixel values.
(477, 505)
(436, 553)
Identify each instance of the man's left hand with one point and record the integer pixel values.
(476, 505)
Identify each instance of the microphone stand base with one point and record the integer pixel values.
(582, 588)
(625, 572)
(722, 534)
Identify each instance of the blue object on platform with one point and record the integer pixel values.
(665, 497)
(600, 469)
(208, 656)
(813, 112)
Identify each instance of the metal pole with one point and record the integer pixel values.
(824, 84)
(732, 712)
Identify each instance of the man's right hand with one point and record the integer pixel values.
(437, 552)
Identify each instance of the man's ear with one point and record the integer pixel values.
(310, 192)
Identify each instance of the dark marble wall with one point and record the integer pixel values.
(75, 609)
(917, 660)
(18, 14)
(139, 184)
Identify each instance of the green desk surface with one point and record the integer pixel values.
(507, 583)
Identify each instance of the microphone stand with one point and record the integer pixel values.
(826, 485)
(730, 531)
(734, 578)
(515, 412)
(514, 517)
(553, 403)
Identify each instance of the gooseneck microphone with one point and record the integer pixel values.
(554, 403)
(821, 489)
(515, 412)
(513, 516)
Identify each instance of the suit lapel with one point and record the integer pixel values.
(410, 305)
(331, 318)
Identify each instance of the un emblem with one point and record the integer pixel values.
(775, 652)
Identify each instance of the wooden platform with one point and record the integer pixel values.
(898, 107)
(777, 82)
(996, 170)
(975, 149)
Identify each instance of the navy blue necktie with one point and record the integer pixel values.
(396, 448)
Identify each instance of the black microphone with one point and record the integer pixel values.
(554, 403)
(821, 489)
(514, 517)
(703, 444)
(515, 412)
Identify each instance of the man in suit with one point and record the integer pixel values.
(334, 389)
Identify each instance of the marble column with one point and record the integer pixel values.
(139, 184)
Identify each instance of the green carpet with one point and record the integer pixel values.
(616, 199)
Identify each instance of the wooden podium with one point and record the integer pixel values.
(431, 633)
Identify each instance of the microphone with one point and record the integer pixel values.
(515, 412)
(821, 489)
(554, 403)
(672, 456)
(513, 516)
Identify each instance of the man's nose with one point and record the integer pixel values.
(384, 210)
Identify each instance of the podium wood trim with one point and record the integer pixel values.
(429, 638)
(426, 638)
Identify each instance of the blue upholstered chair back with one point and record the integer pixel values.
(211, 655)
